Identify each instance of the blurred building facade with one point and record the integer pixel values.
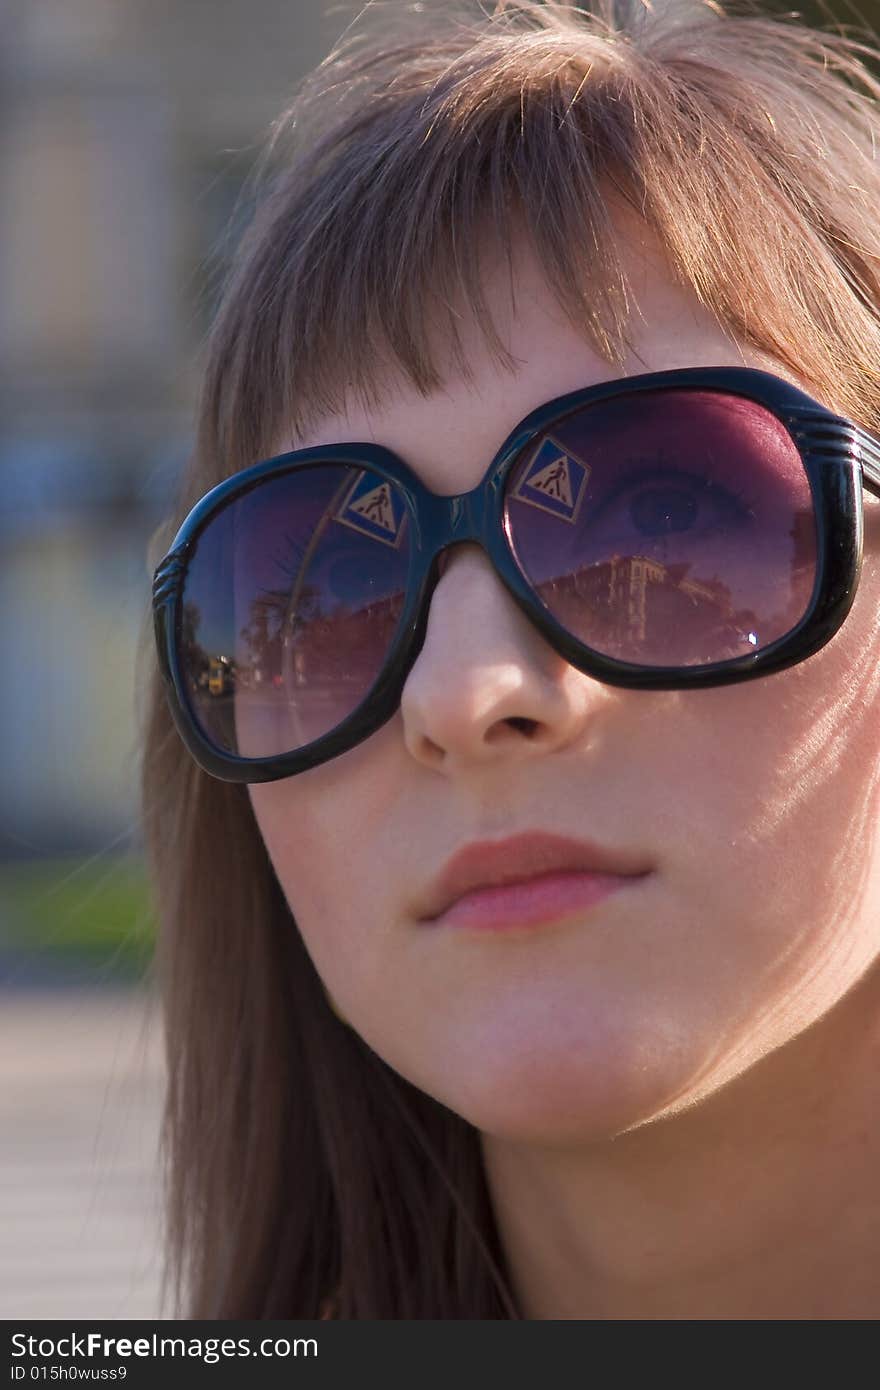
(127, 128)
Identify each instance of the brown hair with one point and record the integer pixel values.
(299, 1162)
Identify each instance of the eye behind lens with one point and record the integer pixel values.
(681, 529)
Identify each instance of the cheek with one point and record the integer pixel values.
(775, 802)
(322, 833)
(791, 762)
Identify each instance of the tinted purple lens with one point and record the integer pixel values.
(667, 528)
(291, 602)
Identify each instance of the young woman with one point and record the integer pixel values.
(512, 746)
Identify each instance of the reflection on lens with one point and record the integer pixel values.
(668, 529)
(291, 603)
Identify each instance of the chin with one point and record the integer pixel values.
(583, 1094)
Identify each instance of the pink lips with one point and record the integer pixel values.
(536, 900)
(527, 879)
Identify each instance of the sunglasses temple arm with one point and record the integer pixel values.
(870, 453)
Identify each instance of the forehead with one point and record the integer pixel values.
(450, 435)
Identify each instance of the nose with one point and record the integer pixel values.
(486, 685)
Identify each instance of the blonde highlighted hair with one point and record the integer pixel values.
(299, 1164)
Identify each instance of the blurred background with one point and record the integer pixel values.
(128, 130)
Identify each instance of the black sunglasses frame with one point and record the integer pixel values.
(839, 458)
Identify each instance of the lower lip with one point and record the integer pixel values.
(536, 900)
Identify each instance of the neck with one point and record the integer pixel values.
(761, 1201)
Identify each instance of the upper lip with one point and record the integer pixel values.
(488, 863)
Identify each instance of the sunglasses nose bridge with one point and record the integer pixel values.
(456, 520)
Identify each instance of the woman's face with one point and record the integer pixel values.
(755, 805)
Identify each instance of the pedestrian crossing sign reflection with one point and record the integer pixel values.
(374, 507)
(555, 481)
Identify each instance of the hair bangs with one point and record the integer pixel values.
(387, 252)
(408, 166)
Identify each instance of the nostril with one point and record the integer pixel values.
(500, 730)
(524, 726)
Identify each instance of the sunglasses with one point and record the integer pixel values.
(668, 531)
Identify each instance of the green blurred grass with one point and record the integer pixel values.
(89, 911)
